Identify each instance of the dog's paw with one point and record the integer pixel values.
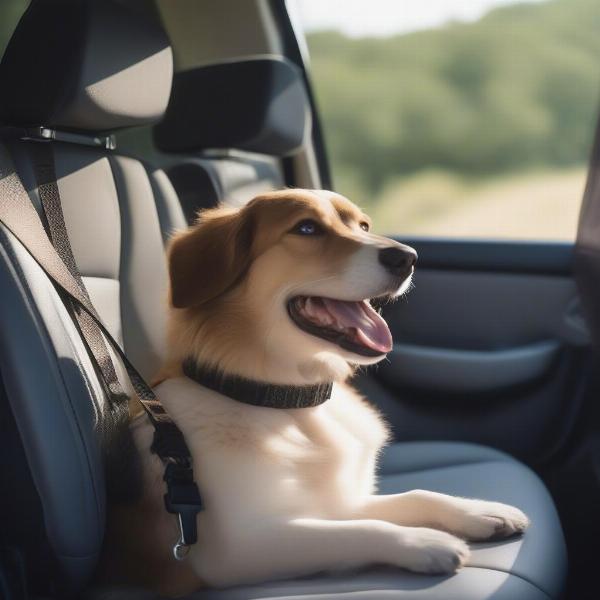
(432, 551)
(478, 520)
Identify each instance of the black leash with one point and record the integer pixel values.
(20, 217)
(257, 393)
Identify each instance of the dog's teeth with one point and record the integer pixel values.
(309, 307)
(314, 310)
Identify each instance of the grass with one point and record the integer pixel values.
(539, 205)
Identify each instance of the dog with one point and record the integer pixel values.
(278, 294)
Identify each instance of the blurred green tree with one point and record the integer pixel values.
(10, 13)
(516, 90)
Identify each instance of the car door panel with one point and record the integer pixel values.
(467, 371)
(488, 346)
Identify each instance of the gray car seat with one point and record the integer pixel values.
(82, 68)
(251, 113)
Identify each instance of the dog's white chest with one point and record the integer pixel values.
(331, 465)
(308, 462)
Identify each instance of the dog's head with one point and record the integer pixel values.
(280, 290)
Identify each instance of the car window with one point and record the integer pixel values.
(458, 118)
(10, 13)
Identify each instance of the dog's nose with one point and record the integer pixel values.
(398, 260)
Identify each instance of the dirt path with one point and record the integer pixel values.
(535, 206)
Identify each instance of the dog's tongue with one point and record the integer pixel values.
(371, 329)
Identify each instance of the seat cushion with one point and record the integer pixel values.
(538, 557)
(525, 568)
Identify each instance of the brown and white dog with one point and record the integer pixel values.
(279, 292)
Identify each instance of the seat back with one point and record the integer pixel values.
(93, 66)
(228, 125)
(207, 181)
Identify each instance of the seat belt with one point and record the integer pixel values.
(19, 216)
(121, 476)
(45, 174)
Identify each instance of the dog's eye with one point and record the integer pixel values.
(307, 227)
(364, 225)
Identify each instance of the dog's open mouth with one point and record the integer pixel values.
(355, 326)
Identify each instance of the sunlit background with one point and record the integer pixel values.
(453, 117)
(458, 117)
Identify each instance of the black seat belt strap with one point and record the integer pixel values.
(45, 174)
(19, 216)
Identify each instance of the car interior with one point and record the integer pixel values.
(156, 109)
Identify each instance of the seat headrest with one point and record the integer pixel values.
(85, 65)
(257, 104)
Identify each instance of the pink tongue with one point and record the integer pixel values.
(371, 329)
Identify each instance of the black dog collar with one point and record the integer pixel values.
(256, 392)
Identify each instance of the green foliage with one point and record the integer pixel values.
(516, 90)
(10, 13)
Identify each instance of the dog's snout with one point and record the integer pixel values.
(398, 259)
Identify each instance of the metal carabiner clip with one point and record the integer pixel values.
(180, 549)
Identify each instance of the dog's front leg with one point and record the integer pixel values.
(474, 520)
(276, 549)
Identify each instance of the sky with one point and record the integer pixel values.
(358, 18)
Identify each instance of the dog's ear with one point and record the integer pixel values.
(210, 257)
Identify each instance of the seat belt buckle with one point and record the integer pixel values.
(183, 499)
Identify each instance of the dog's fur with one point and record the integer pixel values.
(286, 492)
